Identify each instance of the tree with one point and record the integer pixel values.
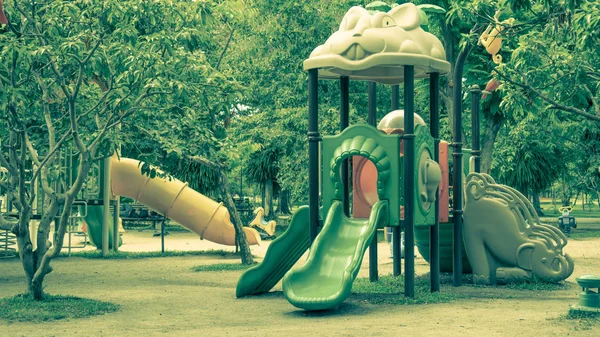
(189, 136)
(556, 62)
(262, 169)
(70, 73)
(530, 159)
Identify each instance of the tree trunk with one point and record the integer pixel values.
(240, 235)
(284, 202)
(268, 199)
(493, 125)
(536, 203)
(576, 198)
(553, 200)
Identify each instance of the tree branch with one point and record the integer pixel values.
(594, 100)
(206, 162)
(225, 48)
(82, 65)
(110, 124)
(7, 225)
(100, 101)
(553, 104)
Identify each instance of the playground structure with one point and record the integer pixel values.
(112, 177)
(589, 300)
(171, 198)
(266, 227)
(396, 180)
(504, 238)
(175, 200)
(566, 221)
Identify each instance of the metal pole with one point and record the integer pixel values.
(434, 231)
(162, 234)
(344, 122)
(475, 146)
(313, 152)
(457, 188)
(115, 236)
(69, 167)
(409, 181)
(396, 235)
(372, 120)
(106, 203)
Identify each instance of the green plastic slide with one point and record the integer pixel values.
(282, 254)
(334, 260)
(94, 226)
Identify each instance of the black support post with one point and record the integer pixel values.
(372, 120)
(396, 235)
(409, 181)
(434, 231)
(313, 152)
(457, 188)
(475, 146)
(395, 97)
(344, 121)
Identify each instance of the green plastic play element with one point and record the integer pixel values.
(589, 298)
(504, 238)
(446, 232)
(334, 259)
(446, 247)
(427, 177)
(381, 149)
(94, 226)
(376, 47)
(281, 255)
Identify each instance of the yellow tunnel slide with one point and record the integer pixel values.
(174, 199)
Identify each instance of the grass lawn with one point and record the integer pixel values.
(591, 211)
(22, 308)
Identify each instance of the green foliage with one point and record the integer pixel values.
(199, 177)
(223, 267)
(529, 157)
(22, 308)
(262, 165)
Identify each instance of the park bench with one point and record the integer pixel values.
(140, 216)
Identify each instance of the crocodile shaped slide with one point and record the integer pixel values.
(334, 259)
(281, 255)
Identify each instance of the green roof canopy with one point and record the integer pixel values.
(377, 47)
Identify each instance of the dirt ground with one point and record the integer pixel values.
(162, 296)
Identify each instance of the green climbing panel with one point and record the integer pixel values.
(381, 149)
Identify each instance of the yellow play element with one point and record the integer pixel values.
(491, 38)
(260, 222)
(175, 200)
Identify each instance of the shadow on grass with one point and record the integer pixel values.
(223, 267)
(390, 290)
(144, 255)
(584, 233)
(22, 308)
(347, 308)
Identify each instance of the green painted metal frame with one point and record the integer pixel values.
(366, 141)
